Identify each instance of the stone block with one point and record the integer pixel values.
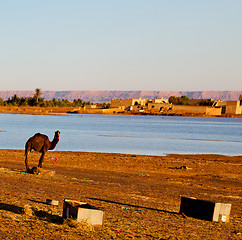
(206, 210)
(83, 212)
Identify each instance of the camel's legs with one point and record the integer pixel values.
(41, 159)
(26, 161)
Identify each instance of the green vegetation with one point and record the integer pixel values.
(206, 102)
(183, 100)
(36, 100)
(103, 105)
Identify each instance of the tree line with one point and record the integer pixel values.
(36, 100)
(184, 100)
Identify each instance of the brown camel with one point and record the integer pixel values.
(40, 143)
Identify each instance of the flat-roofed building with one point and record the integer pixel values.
(233, 107)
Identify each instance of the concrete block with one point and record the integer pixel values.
(83, 212)
(206, 210)
(52, 202)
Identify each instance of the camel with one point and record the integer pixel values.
(39, 143)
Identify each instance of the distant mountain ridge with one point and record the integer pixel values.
(106, 96)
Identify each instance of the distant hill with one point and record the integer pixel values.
(106, 96)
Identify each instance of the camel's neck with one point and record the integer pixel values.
(54, 143)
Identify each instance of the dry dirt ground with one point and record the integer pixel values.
(140, 195)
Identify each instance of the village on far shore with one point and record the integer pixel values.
(174, 106)
(162, 106)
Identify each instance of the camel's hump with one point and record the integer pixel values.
(39, 135)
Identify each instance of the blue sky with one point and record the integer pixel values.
(160, 45)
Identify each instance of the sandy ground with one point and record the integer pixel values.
(140, 195)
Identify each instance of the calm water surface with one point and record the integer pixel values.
(149, 135)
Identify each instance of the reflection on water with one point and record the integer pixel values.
(151, 135)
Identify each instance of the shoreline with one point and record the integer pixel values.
(65, 111)
(134, 154)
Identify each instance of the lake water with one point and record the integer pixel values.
(148, 135)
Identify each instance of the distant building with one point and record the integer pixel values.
(160, 100)
(91, 106)
(159, 107)
(115, 103)
(206, 110)
(127, 103)
(233, 107)
(139, 101)
(162, 106)
(230, 107)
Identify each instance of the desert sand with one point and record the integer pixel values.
(140, 195)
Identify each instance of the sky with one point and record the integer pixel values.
(147, 45)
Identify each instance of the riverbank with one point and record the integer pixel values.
(72, 110)
(140, 195)
(34, 110)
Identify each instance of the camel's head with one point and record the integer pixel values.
(57, 134)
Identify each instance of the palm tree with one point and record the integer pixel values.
(37, 94)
